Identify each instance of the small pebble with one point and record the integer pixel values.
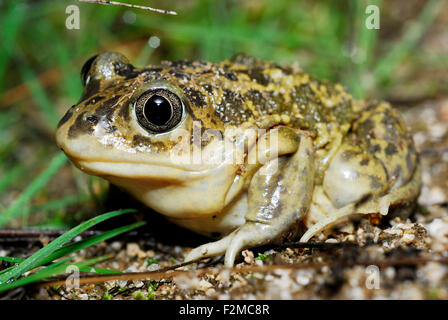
(248, 256)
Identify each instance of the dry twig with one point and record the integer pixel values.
(168, 273)
(122, 4)
(13, 235)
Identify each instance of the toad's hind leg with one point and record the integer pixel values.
(374, 205)
(279, 196)
(376, 167)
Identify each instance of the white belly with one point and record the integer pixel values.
(223, 223)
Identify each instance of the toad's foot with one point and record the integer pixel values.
(278, 198)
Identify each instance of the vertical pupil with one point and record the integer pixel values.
(158, 110)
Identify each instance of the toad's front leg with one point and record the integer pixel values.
(279, 196)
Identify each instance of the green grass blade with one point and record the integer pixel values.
(36, 259)
(99, 270)
(6, 270)
(11, 176)
(40, 96)
(82, 269)
(10, 27)
(11, 259)
(16, 207)
(18, 260)
(60, 203)
(413, 34)
(52, 270)
(79, 245)
(7, 148)
(71, 84)
(364, 41)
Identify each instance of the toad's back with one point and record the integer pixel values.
(246, 88)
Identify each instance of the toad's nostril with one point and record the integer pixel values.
(92, 119)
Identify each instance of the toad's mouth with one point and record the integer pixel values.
(167, 171)
(131, 164)
(162, 166)
(135, 170)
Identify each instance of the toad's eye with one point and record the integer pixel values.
(158, 110)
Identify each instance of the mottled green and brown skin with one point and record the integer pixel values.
(336, 157)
